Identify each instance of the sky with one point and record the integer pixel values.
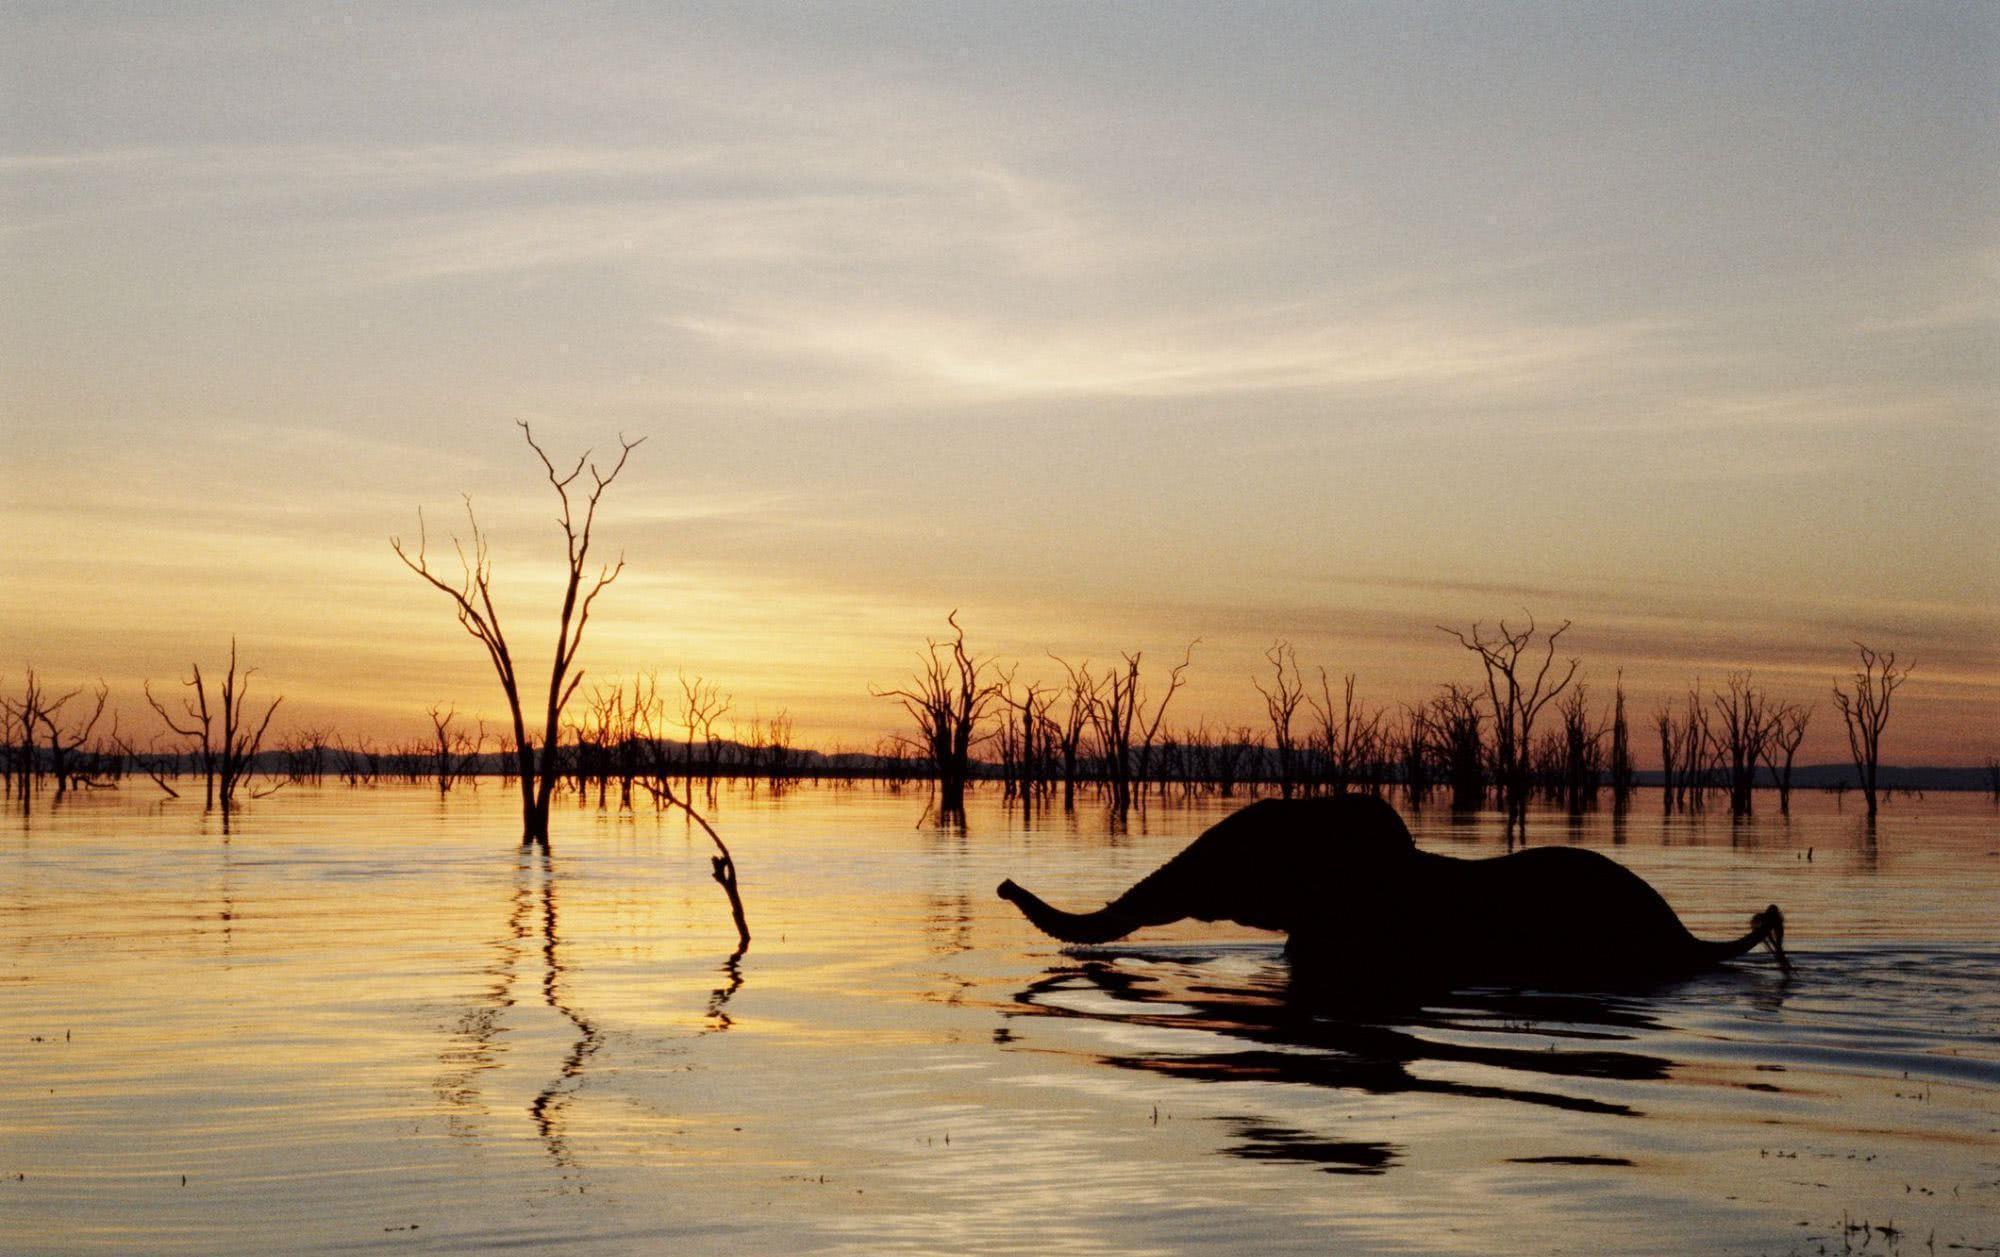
(1111, 326)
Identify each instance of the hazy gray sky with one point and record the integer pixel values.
(1112, 325)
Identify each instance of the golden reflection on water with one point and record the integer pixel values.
(367, 1019)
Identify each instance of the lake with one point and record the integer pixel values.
(365, 1021)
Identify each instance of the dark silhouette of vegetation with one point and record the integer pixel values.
(1864, 705)
(620, 743)
(1281, 704)
(456, 752)
(947, 698)
(472, 598)
(1517, 689)
(1349, 739)
(225, 762)
(1787, 731)
(1621, 749)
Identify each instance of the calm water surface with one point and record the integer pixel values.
(364, 1021)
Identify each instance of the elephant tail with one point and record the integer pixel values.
(1103, 926)
(1767, 928)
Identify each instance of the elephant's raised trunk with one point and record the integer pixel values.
(1103, 926)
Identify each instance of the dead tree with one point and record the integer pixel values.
(702, 704)
(1739, 728)
(198, 728)
(1281, 704)
(1865, 708)
(1415, 754)
(21, 715)
(1027, 721)
(456, 753)
(226, 763)
(65, 740)
(1670, 745)
(948, 697)
(1456, 729)
(1787, 729)
(1119, 714)
(1621, 750)
(1515, 699)
(305, 755)
(1579, 754)
(1349, 735)
(24, 718)
(472, 597)
(1238, 750)
(1080, 697)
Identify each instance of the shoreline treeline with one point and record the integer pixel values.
(1093, 732)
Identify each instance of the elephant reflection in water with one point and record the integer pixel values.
(1365, 910)
(1267, 1029)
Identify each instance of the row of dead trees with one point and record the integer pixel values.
(211, 730)
(1528, 729)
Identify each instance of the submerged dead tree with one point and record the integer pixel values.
(225, 763)
(1119, 714)
(66, 740)
(1349, 737)
(1621, 749)
(1281, 704)
(472, 598)
(1781, 746)
(1080, 696)
(1865, 708)
(1739, 733)
(1517, 689)
(947, 698)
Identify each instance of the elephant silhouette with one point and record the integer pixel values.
(1363, 907)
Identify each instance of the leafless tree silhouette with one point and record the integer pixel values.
(1738, 735)
(226, 764)
(702, 704)
(1865, 708)
(1787, 730)
(1455, 729)
(948, 697)
(1281, 703)
(1515, 697)
(1349, 736)
(1119, 713)
(70, 737)
(1621, 748)
(457, 751)
(472, 598)
(1580, 752)
(1079, 697)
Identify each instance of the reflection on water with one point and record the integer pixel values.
(550, 1101)
(366, 1019)
(1272, 1032)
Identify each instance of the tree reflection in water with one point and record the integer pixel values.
(534, 925)
(533, 916)
(549, 1104)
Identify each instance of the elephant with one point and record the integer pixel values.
(1363, 907)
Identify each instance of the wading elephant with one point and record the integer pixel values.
(1341, 876)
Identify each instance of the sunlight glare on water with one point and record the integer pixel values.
(365, 1020)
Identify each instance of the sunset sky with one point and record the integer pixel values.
(1110, 326)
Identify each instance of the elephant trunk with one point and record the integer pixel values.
(1105, 925)
(1767, 927)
